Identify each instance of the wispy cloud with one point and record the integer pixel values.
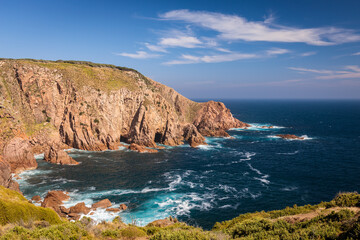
(306, 54)
(155, 48)
(139, 55)
(356, 54)
(233, 27)
(180, 41)
(351, 71)
(188, 59)
(277, 51)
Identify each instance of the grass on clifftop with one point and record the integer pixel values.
(14, 208)
(104, 77)
(337, 219)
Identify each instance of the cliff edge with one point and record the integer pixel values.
(46, 106)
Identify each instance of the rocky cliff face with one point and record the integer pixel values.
(47, 106)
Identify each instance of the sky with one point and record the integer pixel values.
(256, 49)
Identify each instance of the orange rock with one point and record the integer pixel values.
(141, 149)
(290, 136)
(105, 203)
(113, 210)
(36, 198)
(123, 207)
(79, 208)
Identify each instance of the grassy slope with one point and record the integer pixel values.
(14, 208)
(337, 219)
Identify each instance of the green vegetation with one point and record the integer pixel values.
(337, 219)
(14, 208)
(104, 77)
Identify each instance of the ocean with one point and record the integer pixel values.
(254, 171)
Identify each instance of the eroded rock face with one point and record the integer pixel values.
(55, 154)
(62, 104)
(213, 119)
(5, 176)
(18, 153)
(54, 199)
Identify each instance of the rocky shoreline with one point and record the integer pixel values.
(48, 106)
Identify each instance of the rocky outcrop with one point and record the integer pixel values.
(36, 199)
(94, 107)
(18, 153)
(54, 200)
(105, 203)
(6, 177)
(141, 149)
(56, 155)
(213, 119)
(290, 136)
(123, 207)
(80, 208)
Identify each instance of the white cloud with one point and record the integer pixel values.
(188, 59)
(180, 41)
(155, 48)
(351, 71)
(357, 54)
(232, 27)
(138, 55)
(277, 51)
(306, 54)
(311, 70)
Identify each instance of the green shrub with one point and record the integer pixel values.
(347, 200)
(132, 232)
(15, 208)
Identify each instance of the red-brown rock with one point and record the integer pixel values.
(80, 208)
(290, 136)
(36, 198)
(54, 199)
(105, 203)
(58, 156)
(141, 149)
(123, 207)
(18, 153)
(113, 210)
(74, 216)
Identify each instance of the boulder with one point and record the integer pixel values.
(36, 198)
(74, 216)
(79, 208)
(54, 199)
(58, 156)
(113, 210)
(123, 207)
(105, 203)
(141, 149)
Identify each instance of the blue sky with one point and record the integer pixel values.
(203, 49)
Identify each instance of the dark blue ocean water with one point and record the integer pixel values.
(253, 172)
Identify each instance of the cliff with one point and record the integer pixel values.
(47, 106)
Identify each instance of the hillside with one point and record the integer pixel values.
(46, 106)
(337, 219)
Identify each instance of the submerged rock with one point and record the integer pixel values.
(290, 136)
